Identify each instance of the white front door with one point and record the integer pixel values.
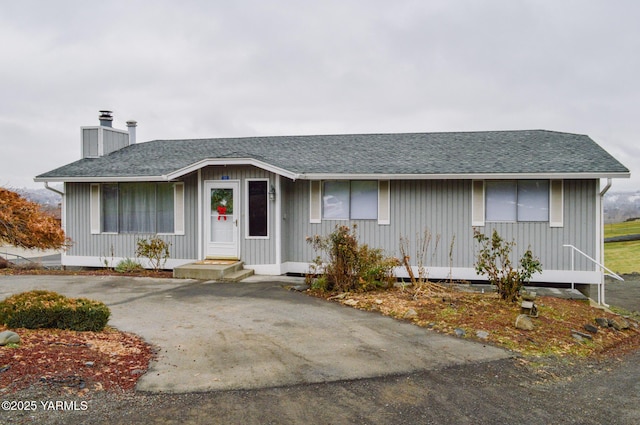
(221, 213)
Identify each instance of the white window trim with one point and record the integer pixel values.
(246, 202)
(384, 202)
(477, 203)
(556, 211)
(178, 208)
(95, 214)
(315, 201)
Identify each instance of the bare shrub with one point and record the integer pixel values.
(421, 285)
(346, 265)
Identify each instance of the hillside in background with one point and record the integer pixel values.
(42, 196)
(621, 206)
(49, 200)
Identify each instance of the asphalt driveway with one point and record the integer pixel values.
(248, 335)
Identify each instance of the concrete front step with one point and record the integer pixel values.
(202, 270)
(237, 276)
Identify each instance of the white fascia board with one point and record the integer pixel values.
(98, 179)
(230, 161)
(96, 127)
(494, 176)
(329, 176)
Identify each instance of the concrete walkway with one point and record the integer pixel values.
(46, 258)
(246, 335)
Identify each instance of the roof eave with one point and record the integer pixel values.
(467, 176)
(231, 161)
(101, 179)
(332, 176)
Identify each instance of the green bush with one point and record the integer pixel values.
(348, 266)
(128, 266)
(45, 309)
(494, 260)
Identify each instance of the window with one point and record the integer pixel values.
(138, 208)
(258, 204)
(356, 200)
(522, 200)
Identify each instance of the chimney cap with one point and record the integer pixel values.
(132, 123)
(105, 118)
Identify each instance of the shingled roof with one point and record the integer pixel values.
(407, 155)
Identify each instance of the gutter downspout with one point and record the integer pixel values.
(46, 185)
(63, 215)
(602, 193)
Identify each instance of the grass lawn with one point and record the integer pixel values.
(621, 229)
(622, 257)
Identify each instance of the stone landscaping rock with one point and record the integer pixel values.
(577, 337)
(460, 332)
(601, 321)
(482, 334)
(410, 314)
(9, 337)
(618, 323)
(350, 302)
(589, 327)
(524, 322)
(300, 288)
(580, 334)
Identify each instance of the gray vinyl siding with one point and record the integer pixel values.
(113, 140)
(106, 246)
(443, 207)
(252, 251)
(89, 142)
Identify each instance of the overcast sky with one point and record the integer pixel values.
(194, 69)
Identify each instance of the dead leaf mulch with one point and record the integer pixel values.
(472, 312)
(13, 271)
(77, 362)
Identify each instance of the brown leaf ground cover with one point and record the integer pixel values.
(37, 270)
(446, 311)
(76, 362)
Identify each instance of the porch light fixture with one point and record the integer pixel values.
(272, 193)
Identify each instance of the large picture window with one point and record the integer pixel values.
(512, 201)
(355, 200)
(138, 208)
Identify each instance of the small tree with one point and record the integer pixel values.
(23, 224)
(494, 260)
